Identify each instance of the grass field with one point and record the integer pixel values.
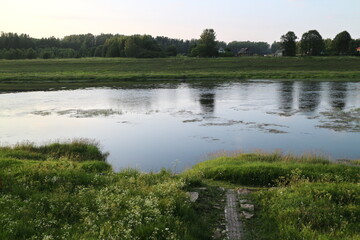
(39, 74)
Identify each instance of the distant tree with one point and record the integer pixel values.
(182, 47)
(207, 45)
(328, 47)
(101, 39)
(341, 43)
(259, 48)
(2, 53)
(48, 43)
(46, 54)
(288, 43)
(298, 47)
(99, 51)
(227, 53)
(171, 51)
(275, 46)
(354, 44)
(31, 53)
(131, 48)
(312, 43)
(221, 44)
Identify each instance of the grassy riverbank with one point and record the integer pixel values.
(51, 193)
(68, 191)
(21, 75)
(309, 197)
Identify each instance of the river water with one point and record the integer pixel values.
(178, 125)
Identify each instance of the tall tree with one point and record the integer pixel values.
(341, 43)
(288, 42)
(207, 46)
(312, 43)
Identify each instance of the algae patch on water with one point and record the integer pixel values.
(341, 121)
(80, 113)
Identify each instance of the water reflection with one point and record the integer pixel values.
(286, 96)
(337, 95)
(309, 96)
(207, 102)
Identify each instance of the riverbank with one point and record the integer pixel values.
(289, 197)
(51, 192)
(27, 75)
(67, 190)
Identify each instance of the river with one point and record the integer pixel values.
(178, 125)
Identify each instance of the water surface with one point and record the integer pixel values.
(176, 126)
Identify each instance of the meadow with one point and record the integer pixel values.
(39, 74)
(68, 191)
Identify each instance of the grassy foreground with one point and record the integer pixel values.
(18, 75)
(68, 191)
(47, 193)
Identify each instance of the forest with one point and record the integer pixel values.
(23, 46)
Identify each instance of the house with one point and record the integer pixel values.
(221, 50)
(358, 49)
(279, 52)
(244, 52)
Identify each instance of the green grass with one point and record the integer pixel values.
(76, 150)
(264, 170)
(304, 197)
(39, 74)
(68, 191)
(47, 193)
(307, 210)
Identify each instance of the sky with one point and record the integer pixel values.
(241, 20)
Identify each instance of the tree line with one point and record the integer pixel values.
(312, 44)
(22, 46)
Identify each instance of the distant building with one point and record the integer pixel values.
(221, 50)
(279, 53)
(244, 52)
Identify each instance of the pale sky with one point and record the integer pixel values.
(254, 20)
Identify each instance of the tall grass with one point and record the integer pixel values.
(260, 169)
(75, 150)
(308, 210)
(54, 194)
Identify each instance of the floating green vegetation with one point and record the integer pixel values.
(341, 121)
(81, 113)
(265, 127)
